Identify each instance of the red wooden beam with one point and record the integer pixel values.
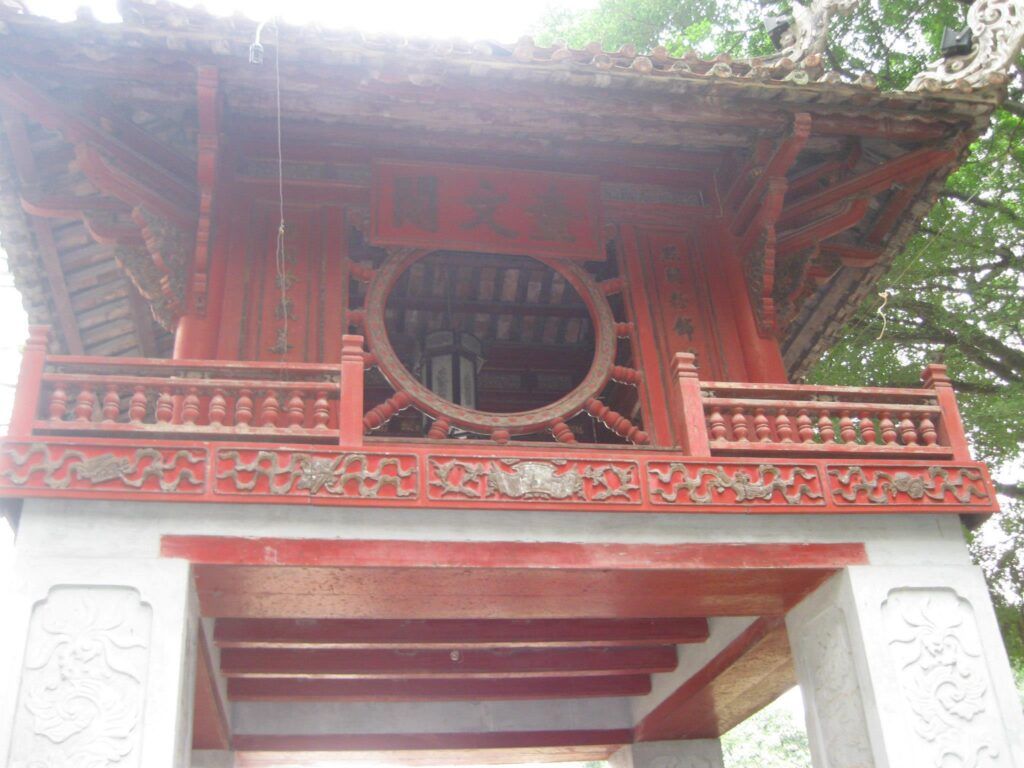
(775, 168)
(210, 729)
(748, 674)
(454, 633)
(354, 664)
(436, 689)
(857, 256)
(227, 550)
(796, 240)
(908, 167)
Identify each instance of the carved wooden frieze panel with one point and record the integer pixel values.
(867, 484)
(303, 473)
(83, 680)
(686, 483)
(70, 466)
(835, 692)
(458, 478)
(936, 654)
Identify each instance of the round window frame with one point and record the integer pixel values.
(487, 422)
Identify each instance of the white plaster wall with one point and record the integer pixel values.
(51, 527)
(694, 753)
(304, 718)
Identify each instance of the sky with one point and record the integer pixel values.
(468, 19)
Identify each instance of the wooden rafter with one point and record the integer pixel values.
(21, 148)
(908, 167)
(808, 236)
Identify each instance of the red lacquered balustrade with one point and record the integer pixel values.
(300, 433)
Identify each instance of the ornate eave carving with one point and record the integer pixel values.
(808, 34)
(998, 30)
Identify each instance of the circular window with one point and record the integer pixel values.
(538, 333)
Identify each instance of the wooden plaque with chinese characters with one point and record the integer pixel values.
(495, 210)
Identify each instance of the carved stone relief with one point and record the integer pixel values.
(83, 680)
(883, 485)
(141, 469)
(682, 483)
(348, 475)
(836, 693)
(533, 480)
(935, 650)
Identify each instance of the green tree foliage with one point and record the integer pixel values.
(956, 294)
(770, 739)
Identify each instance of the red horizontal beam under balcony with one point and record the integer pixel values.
(493, 633)
(369, 664)
(436, 689)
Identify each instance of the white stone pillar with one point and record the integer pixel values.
(210, 758)
(904, 667)
(695, 753)
(98, 664)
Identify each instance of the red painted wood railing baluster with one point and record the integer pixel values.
(716, 424)
(295, 410)
(439, 429)
(616, 422)
(380, 415)
(847, 432)
(762, 431)
(165, 406)
(926, 429)
(887, 428)
(321, 410)
(562, 432)
(908, 432)
(740, 429)
(58, 407)
(867, 429)
(690, 421)
(138, 404)
(804, 426)
(243, 408)
(190, 406)
(84, 403)
(218, 408)
(111, 404)
(270, 409)
(784, 426)
(826, 430)
(624, 375)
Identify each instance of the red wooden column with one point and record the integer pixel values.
(30, 382)
(951, 426)
(350, 404)
(690, 424)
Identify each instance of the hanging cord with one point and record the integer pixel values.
(280, 257)
(881, 314)
(280, 254)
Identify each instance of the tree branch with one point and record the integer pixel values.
(1013, 490)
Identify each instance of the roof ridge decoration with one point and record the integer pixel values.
(998, 30)
(807, 36)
